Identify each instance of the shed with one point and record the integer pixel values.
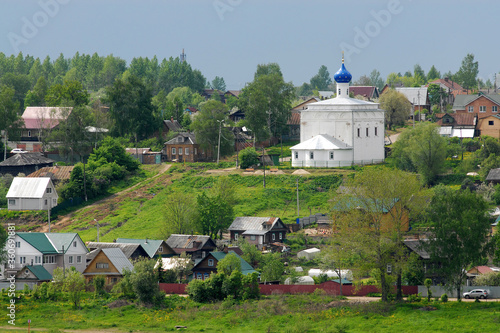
(302, 280)
(309, 254)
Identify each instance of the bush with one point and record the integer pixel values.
(248, 157)
(444, 298)
(414, 298)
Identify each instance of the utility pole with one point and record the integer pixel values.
(97, 223)
(298, 213)
(264, 163)
(220, 129)
(48, 211)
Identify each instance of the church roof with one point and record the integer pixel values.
(321, 142)
(342, 75)
(343, 101)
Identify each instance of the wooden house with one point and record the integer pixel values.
(260, 231)
(109, 263)
(197, 246)
(208, 265)
(461, 125)
(25, 163)
(31, 194)
(153, 247)
(131, 251)
(184, 148)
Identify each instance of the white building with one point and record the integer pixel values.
(32, 194)
(340, 131)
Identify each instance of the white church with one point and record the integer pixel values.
(340, 131)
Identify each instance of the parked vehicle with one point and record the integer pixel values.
(17, 151)
(476, 293)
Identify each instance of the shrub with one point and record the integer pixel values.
(444, 298)
(414, 298)
(248, 157)
(98, 283)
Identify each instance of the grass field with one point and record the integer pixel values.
(278, 313)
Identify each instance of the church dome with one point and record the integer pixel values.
(342, 75)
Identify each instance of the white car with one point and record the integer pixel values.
(18, 151)
(476, 293)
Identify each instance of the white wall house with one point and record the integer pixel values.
(49, 250)
(340, 131)
(32, 194)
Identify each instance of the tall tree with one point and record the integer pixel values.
(459, 226)
(267, 102)
(433, 74)
(218, 84)
(9, 113)
(36, 96)
(215, 214)
(467, 73)
(71, 93)
(397, 108)
(180, 215)
(376, 80)
(436, 94)
(322, 80)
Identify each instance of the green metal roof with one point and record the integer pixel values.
(245, 267)
(39, 241)
(62, 239)
(149, 245)
(40, 272)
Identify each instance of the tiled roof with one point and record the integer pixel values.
(27, 159)
(54, 173)
(294, 119)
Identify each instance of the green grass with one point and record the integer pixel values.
(279, 313)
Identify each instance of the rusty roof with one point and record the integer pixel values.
(54, 173)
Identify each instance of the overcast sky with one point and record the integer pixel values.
(229, 38)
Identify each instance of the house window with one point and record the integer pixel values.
(359, 132)
(494, 108)
(331, 155)
(186, 151)
(78, 259)
(200, 277)
(210, 262)
(196, 151)
(18, 244)
(471, 109)
(22, 260)
(48, 190)
(45, 202)
(29, 134)
(367, 131)
(74, 244)
(160, 249)
(490, 122)
(36, 260)
(180, 139)
(311, 155)
(12, 202)
(376, 131)
(203, 254)
(235, 236)
(281, 235)
(102, 265)
(180, 151)
(114, 280)
(49, 259)
(274, 237)
(206, 276)
(70, 259)
(296, 155)
(389, 268)
(54, 202)
(252, 237)
(173, 151)
(482, 108)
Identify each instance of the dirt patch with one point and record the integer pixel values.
(118, 303)
(301, 172)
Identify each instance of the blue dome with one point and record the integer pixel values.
(342, 75)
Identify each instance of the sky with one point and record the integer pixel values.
(229, 38)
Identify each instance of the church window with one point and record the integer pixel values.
(296, 155)
(376, 131)
(311, 155)
(367, 131)
(359, 132)
(339, 92)
(331, 155)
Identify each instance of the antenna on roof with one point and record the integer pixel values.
(183, 56)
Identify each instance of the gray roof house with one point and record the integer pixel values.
(493, 176)
(153, 247)
(25, 163)
(260, 231)
(198, 246)
(110, 263)
(417, 96)
(32, 194)
(131, 251)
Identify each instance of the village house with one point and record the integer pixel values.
(368, 93)
(417, 96)
(197, 246)
(109, 263)
(31, 194)
(260, 231)
(461, 125)
(154, 247)
(131, 251)
(57, 174)
(25, 163)
(208, 265)
(480, 104)
(184, 148)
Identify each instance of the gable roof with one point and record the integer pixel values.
(365, 91)
(26, 159)
(254, 223)
(127, 248)
(173, 125)
(118, 259)
(493, 175)
(415, 245)
(39, 272)
(294, 119)
(448, 84)
(302, 106)
(149, 245)
(461, 101)
(188, 138)
(54, 172)
(189, 243)
(235, 93)
(22, 187)
(44, 116)
(49, 243)
(416, 95)
(321, 142)
(461, 119)
(219, 255)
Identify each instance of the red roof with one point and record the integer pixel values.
(461, 119)
(294, 119)
(365, 91)
(40, 123)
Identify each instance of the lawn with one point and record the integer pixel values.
(277, 313)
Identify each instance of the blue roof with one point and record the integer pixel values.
(342, 75)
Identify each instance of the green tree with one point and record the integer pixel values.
(322, 80)
(36, 97)
(460, 226)
(397, 108)
(376, 80)
(251, 254)
(433, 74)
(145, 283)
(218, 84)
(180, 215)
(272, 267)
(206, 126)
(214, 215)
(20, 83)
(11, 121)
(72, 282)
(248, 157)
(467, 73)
(436, 94)
(267, 103)
(71, 93)
(229, 264)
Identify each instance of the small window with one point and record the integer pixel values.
(180, 151)
(311, 155)
(367, 131)
(235, 236)
(49, 190)
(389, 268)
(102, 265)
(22, 260)
(12, 202)
(206, 276)
(490, 122)
(200, 277)
(74, 244)
(376, 131)
(210, 262)
(174, 151)
(359, 132)
(29, 134)
(281, 235)
(296, 155)
(160, 249)
(482, 108)
(78, 259)
(339, 92)
(114, 280)
(186, 151)
(471, 109)
(54, 202)
(331, 155)
(46, 203)
(252, 237)
(180, 139)
(70, 259)
(494, 108)
(274, 237)
(18, 244)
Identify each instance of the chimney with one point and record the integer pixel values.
(172, 119)
(446, 79)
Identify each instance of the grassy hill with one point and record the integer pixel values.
(138, 212)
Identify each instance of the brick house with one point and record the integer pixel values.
(481, 104)
(184, 148)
